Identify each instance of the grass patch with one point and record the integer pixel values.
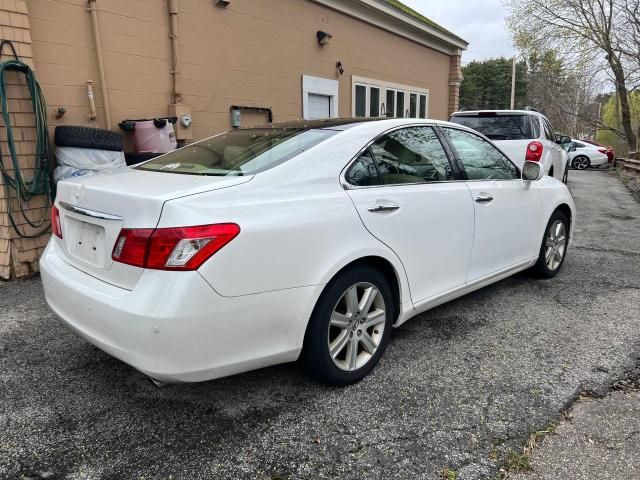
(521, 461)
(518, 462)
(449, 474)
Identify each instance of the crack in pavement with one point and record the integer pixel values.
(607, 250)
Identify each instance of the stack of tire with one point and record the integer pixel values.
(86, 151)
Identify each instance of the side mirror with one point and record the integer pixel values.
(572, 148)
(532, 171)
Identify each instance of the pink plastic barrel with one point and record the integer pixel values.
(147, 138)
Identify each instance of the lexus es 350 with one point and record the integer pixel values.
(302, 240)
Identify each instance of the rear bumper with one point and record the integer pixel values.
(599, 161)
(173, 326)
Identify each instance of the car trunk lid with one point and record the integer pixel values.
(94, 209)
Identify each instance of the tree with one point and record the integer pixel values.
(609, 133)
(580, 28)
(563, 91)
(487, 84)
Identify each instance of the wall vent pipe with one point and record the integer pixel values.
(93, 10)
(175, 48)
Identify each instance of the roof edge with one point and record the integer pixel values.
(400, 19)
(414, 14)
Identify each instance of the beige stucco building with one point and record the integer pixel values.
(276, 59)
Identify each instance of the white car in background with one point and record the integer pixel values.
(587, 155)
(257, 246)
(524, 135)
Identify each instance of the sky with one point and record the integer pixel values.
(479, 22)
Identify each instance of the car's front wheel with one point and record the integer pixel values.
(350, 326)
(554, 246)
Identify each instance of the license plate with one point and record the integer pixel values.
(85, 241)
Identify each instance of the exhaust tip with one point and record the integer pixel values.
(157, 383)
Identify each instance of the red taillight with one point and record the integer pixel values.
(131, 246)
(534, 151)
(603, 150)
(56, 227)
(185, 248)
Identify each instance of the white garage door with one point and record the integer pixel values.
(319, 106)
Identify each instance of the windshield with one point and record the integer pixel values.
(498, 127)
(238, 152)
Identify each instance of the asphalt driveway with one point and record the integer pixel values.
(459, 387)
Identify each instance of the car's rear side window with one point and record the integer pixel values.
(239, 152)
(363, 172)
(499, 127)
(403, 156)
(411, 155)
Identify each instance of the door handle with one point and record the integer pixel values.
(484, 198)
(383, 208)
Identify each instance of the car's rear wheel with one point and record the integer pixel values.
(581, 162)
(565, 177)
(350, 326)
(554, 246)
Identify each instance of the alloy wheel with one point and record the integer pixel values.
(556, 245)
(356, 326)
(580, 163)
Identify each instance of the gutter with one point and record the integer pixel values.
(384, 16)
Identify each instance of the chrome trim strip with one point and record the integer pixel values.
(89, 213)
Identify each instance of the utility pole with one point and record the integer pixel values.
(513, 85)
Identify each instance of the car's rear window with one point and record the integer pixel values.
(499, 127)
(239, 152)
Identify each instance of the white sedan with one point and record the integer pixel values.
(587, 155)
(259, 246)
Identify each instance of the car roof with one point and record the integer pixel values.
(327, 123)
(342, 124)
(498, 112)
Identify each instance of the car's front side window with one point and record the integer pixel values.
(411, 155)
(481, 159)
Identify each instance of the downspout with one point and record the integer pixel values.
(93, 10)
(175, 48)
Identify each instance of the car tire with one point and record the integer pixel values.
(553, 249)
(565, 177)
(581, 162)
(87, 137)
(343, 344)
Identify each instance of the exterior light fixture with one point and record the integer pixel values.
(323, 37)
(223, 3)
(339, 67)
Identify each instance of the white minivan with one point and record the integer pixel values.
(524, 135)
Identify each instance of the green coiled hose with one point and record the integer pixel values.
(40, 182)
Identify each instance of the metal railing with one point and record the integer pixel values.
(631, 164)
